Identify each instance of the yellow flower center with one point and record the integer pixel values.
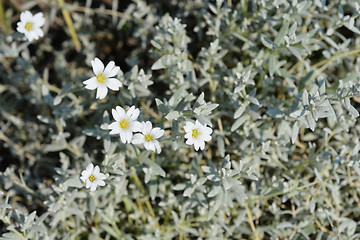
(101, 78)
(124, 124)
(148, 137)
(28, 26)
(92, 178)
(195, 133)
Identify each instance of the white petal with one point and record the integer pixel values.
(101, 176)
(96, 170)
(121, 112)
(123, 136)
(113, 84)
(26, 16)
(115, 131)
(82, 178)
(149, 146)
(39, 19)
(196, 145)
(101, 91)
(157, 132)
(97, 65)
(188, 135)
(88, 183)
(129, 136)
(39, 32)
(138, 139)
(135, 126)
(21, 27)
(202, 145)
(157, 146)
(135, 114)
(190, 141)
(90, 168)
(111, 72)
(189, 126)
(207, 130)
(109, 67)
(116, 115)
(130, 111)
(91, 83)
(99, 182)
(206, 137)
(148, 126)
(93, 187)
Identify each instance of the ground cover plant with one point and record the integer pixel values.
(179, 119)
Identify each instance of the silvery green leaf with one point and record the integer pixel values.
(350, 108)
(173, 115)
(161, 106)
(5, 205)
(253, 114)
(285, 225)
(238, 123)
(267, 42)
(179, 187)
(191, 230)
(73, 182)
(295, 51)
(10, 236)
(155, 44)
(159, 64)
(292, 29)
(215, 206)
(310, 121)
(153, 187)
(188, 192)
(155, 167)
(279, 39)
(240, 111)
(253, 100)
(221, 145)
(272, 65)
(305, 98)
(294, 132)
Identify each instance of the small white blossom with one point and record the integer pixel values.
(197, 134)
(148, 137)
(30, 25)
(103, 78)
(92, 177)
(125, 123)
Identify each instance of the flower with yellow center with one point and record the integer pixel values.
(197, 134)
(30, 25)
(125, 123)
(103, 78)
(92, 177)
(148, 137)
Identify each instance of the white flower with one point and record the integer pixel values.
(103, 78)
(125, 123)
(197, 134)
(31, 25)
(148, 137)
(92, 177)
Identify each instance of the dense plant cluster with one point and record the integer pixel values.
(207, 120)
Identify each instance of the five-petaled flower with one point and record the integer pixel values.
(148, 137)
(103, 78)
(125, 123)
(30, 25)
(92, 177)
(197, 134)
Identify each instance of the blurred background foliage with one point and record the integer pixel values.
(278, 81)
